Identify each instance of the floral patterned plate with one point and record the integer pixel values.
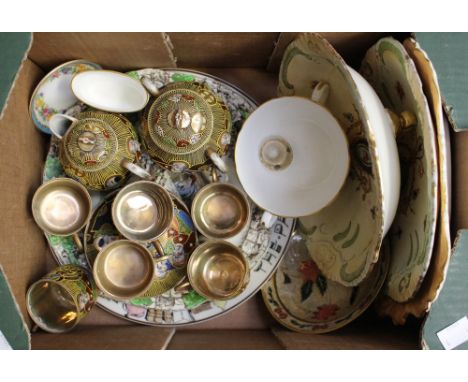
(435, 277)
(393, 75)
(54, 95)
(263, 248)
(349, 231)
(301, 298)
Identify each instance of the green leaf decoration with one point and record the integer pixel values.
(322, 284)
(351, 241)
(193, 299)
(182, 77)
(306, 290)
(342, 235)
(53, 167)
(287, 279)
(134, 75)
(410, 251)
(141, 301)
(354, 293)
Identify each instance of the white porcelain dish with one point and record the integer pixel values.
(292, 156)
(110, 91)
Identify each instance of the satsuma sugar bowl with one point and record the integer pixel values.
(98, 149)
(186, 126)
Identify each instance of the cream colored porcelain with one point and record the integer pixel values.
(395, 78)
(344, 238)
(292, 156)
(110, 91)
(434, 279)
(384, 134)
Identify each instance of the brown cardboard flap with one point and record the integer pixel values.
(223, 49)
(257, 83)
(105, 338)
(23, 248)
(224, 339)
(459, 142)
(120, 51)
(365, 335)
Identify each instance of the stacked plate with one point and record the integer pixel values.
(374, 233)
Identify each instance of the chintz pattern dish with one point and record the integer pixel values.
(300, 297)
(263, 247)
(393, 75)
(347, 233)
(53, 94)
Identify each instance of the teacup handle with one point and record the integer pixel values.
(158, 247)
(320, 93)
(183, 286)
(216, 159)
(57, 127)
(137, 170)
(268, 219)
(78, 243)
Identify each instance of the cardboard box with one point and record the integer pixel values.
(248, 60)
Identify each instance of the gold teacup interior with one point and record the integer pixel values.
(61, 207)
(123, 269)
(51, 307)
(218, 270)
(142, 211)
(220, 211)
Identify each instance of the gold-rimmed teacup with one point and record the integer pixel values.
(143, 211)
(217, 270)
(221, 211)
(61, 299)
(62, 207)
(123, 269)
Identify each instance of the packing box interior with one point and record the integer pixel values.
(248, 60)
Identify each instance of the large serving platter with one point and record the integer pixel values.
(392, 73)
(264, 248)
(435, 277)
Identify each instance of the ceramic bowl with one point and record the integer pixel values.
(53, 94)
(110, 91)
(292, 156)
(344, 238)
(393, 74)
(300, 297)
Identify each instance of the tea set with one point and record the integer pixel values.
(198, 192)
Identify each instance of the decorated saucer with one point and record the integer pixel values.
(347, 233)
(393, 75)
(177, 243)
(53, 94)
(300, 297)
(420, 303)
(263, 248)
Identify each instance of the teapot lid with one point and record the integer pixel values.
(180, 119)
(90, 144)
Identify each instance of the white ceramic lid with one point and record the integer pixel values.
(307, 146)
(110, 91)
